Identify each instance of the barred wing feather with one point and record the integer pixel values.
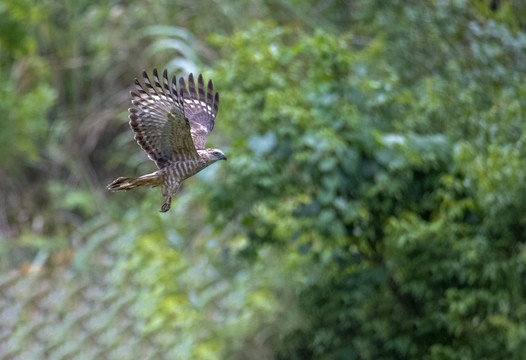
(159, 121)
(199, 107)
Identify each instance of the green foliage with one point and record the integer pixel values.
(25, 94)
(372, 204)
(174, 39)
(206, 298)
(25, 120)
(379, 171)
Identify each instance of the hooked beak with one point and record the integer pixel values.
(223, 157)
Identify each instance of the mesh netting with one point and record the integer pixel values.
(71, 313)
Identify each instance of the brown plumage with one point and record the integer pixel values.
(171, 126)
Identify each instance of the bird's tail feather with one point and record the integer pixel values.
(124, 183)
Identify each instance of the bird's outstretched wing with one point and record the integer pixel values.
(159, 121)
(199, 107)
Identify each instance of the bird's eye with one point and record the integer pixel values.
(216, 153)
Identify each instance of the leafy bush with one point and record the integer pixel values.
(383, 176)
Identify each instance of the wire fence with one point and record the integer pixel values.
(65, 313)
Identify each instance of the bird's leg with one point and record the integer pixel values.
(167, 204)
(167, 193)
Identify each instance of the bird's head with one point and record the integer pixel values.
(214, 155)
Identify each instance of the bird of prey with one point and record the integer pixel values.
(171, 126)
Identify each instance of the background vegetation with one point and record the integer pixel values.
(372, 206)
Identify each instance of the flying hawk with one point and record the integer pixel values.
(171, 126)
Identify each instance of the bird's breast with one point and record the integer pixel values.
(184, 169)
